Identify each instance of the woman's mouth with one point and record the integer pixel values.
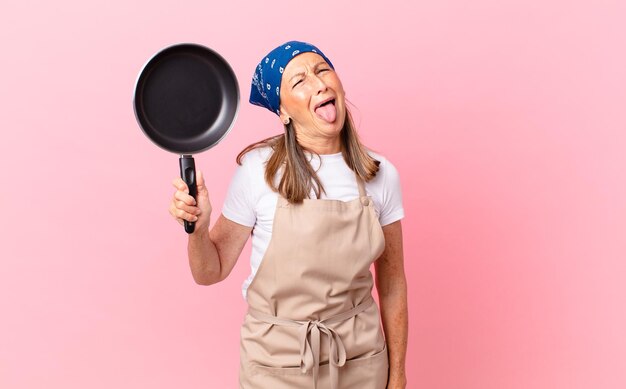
(327, 111)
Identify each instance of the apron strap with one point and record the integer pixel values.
(309, 334)
(362, 194)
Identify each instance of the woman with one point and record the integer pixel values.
(303, 197)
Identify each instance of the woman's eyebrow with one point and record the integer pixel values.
(302, 73)
(296, 75)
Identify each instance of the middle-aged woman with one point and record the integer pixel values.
(321, 208)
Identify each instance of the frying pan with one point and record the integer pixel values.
(186, 101)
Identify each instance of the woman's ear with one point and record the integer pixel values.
(284, 117)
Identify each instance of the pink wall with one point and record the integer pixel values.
(506, 122)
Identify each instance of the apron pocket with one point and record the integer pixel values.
(378, 359)
(256, 369)
(266, 377)
(368, 372)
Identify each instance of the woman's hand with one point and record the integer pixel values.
(184, 207)
(397, 382)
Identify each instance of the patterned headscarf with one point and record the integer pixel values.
(265, 91)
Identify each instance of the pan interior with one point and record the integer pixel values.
(186, 99)
(182, 97)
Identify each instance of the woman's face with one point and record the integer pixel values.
(311, 95)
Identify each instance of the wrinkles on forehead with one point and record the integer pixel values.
(299, 64)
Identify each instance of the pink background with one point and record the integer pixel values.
(505, 119)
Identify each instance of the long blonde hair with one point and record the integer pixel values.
(299, 178)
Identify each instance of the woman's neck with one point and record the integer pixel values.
(319, 144)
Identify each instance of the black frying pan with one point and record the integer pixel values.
(186, 100)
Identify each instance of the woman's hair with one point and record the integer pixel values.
(298, 176)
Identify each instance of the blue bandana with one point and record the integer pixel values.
(265, 91)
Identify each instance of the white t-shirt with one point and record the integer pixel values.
(251, 202)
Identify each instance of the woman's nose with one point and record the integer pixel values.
(320, 85)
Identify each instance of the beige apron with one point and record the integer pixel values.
(312, 322)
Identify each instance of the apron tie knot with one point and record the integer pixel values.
(310, 344)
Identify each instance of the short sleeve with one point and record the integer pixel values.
(392, 209)
(238, 205)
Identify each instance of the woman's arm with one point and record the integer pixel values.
(212, 255)
(392, 293)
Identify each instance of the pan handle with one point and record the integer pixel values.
(188, 174)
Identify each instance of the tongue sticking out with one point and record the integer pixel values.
(328, 112)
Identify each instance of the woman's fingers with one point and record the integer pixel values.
(181, 211)
(180, 185)
(180, 214)
(185, 207)
(179, 204)
(184, 197)
(200, 181)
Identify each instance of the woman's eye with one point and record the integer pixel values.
(294, 85)
(322, 70)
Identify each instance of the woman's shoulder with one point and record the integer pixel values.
(248, 182)
(257, 156)
(386, 190)
(386, 167)
(376, 155)
(253, 164)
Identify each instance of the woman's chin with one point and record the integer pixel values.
(333, 128)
